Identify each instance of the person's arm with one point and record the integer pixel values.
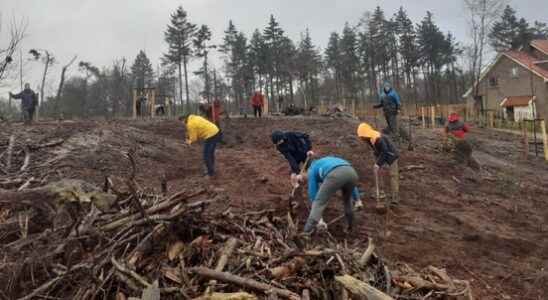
(292, 162)
(380, 105)
(192, 134)
(382, 150)
(16, 96)
(396, 98)
(355, 194)
(312, 184)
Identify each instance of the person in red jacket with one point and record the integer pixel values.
(216, 111)
(257, 102)
(455, 141)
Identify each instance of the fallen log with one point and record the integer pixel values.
(288, 269)
(366, 256)
(361, 289)
(227, 296)
(9, 153)
(227, 251)
(243, 282)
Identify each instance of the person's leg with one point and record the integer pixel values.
(350, 177)
(208, 149)
(216, 139)
(260, 111)
(327, 189)
(395, 182)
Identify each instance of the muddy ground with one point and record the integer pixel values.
(488, 226)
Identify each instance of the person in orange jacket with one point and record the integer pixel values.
(257, 102)
(199, 128)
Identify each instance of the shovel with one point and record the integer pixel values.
(380, 208)
(296, 189)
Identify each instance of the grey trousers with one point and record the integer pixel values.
(342, 178)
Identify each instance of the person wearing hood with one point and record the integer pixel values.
(386, 155)
(295, 147)
(390, 102)
(325, 177)
(29, 101)
(200, 129)
(455, 141)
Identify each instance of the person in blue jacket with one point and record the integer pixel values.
(325, 177)
(390, 104)
(29, 101)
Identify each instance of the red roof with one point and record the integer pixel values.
(516, 101)
(528, 62)
(541, 45)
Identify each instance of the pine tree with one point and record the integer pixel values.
(142, 71)
(350, 62)
(307, 65)
(333, 61)
(430, 41)
(503, 34)
(407, 45)
(258, 57)
(203, 36)
(179, 36)
(540, 30)
(273, 35)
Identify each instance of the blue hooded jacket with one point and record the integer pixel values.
(319, 170)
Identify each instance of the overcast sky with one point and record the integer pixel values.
(100, 31)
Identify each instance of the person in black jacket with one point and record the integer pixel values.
(29, 101)
(295, 147)
(386, 154)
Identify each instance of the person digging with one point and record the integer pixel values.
(387, 156)
(325, 177)
(455, 141)
(296, 148)
(200, 129)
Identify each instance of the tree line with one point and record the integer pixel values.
(424, 63)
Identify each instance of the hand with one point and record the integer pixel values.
(310, 154)
(376, 168)
(294, 180)
(322, 226)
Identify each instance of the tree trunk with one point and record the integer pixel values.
(46, 67)
(185, 62)
(61, 84)
(180, 85)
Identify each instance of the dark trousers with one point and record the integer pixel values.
(28, 114)
(392, 121)
(209, 152)
(258, 111)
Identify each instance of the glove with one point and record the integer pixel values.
(322, 226)
(358, 204)
(296, 180)
(310, 153)
(376, 168)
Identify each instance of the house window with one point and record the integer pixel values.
(493, 82)
(515, 72)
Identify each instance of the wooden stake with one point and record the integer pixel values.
(423, 118)
(544, 139)
(134, 104)
(433, 116)
(525, 141)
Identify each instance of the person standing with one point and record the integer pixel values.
(455, 141)
(257, 102)
(390, 102)
(325, 177)
(199, 128)
(29, 101)
(386, 155)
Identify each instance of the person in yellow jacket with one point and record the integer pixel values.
(200, 129)
(386, 155)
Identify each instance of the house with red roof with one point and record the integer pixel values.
(515, 85)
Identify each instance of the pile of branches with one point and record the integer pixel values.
(153, 246)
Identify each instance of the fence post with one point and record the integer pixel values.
(544, 139)
(433, 116)
(525, 140)
(423, 118)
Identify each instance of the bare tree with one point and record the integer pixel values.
(48, 60)
(16, 31)
(481, 15)
(62, 82)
